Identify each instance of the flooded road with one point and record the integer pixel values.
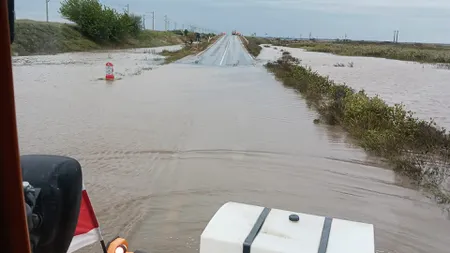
(227, 51)
(162, 150)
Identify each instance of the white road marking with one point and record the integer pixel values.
(225, 53)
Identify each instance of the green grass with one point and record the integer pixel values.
(172, 56)
(413, 147)
(148, 38)
(425, 53)
(253, 45)
(36, 37)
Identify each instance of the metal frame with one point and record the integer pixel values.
(13, 221)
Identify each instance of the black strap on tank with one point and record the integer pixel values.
(255, 230)
(325, 235)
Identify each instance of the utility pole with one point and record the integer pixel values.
(395, 36)
(175, 25)
(153, 20)
(165, 22)
(128, 8)
(143, 21)
(46, 9)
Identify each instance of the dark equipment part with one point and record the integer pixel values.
(53, 195)
(34, 219)
(11, 19)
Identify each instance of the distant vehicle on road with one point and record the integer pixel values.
(234, 32)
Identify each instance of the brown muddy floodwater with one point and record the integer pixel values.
(163, 149)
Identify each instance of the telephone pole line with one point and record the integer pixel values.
(395, 36)
(143, 21)
(46, 9)
(165, 22)
(153, 20)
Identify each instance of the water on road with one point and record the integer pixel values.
(227, 51)
(163, 149)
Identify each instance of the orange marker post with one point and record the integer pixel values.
(109, 71)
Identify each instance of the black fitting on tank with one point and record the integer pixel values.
(294, 217)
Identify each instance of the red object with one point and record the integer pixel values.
(87, 231)
(109, 71)
(15, 237)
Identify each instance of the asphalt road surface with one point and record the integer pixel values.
(227, 51)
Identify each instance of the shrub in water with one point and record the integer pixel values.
(415, 147)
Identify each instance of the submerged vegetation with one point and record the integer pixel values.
(425, 53)
(414, 147)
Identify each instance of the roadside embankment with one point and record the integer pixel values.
(36, 37)
(253, 44)
(188, 49)
(425, 53)
(414, 147)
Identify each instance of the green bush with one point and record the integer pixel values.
(99, 22)
(414, 147)
(178, 32)
(429, 53)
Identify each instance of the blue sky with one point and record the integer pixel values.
(417, 20)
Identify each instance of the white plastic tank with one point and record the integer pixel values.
(237, 228)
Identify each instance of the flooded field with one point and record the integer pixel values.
(423, 88)
(164, 148)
